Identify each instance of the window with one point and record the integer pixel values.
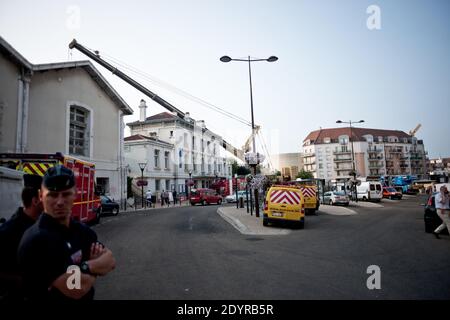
(157, 185)
(79, 131)
(209, 168)
(167, 184)
(220, 167)
(166, 159)
(156, 158)
(103, 185)
(326, 140)
(171, 134)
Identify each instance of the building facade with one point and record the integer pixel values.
(332, 154)
(197, 152)
(64, 107)
(289, 164)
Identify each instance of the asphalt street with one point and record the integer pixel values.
(192, 253)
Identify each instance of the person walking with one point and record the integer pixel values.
(11, 233)
(56, 246)
(166, 198)
(442, 204)
(148, 196)
(174, 194)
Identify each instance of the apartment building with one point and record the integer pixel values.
(197, 152)
(289, 164)
(332, 154)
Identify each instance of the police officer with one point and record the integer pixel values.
(56, 244)
(11, 233)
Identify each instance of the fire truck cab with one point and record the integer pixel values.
(87, 201)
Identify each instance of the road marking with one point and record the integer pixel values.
(190, 223)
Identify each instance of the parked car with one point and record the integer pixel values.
(430, 217)
(108, 205)
(232, 197)
(204, 196)
(336, 197)
(391, 193)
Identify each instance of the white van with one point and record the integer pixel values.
(370, 190)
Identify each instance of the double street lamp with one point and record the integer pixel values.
(353, 153)
(142, 166)
(249, 60)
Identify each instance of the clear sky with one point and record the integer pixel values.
(330, 67)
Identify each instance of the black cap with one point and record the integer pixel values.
(59, 178)
(32, 181)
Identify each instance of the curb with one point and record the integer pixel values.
(234, 222)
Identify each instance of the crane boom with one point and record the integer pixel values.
(96, 57)
(123, 76)
(414, 131)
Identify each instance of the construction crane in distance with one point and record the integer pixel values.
(413, 132)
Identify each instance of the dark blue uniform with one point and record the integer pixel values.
(47, 249)
(11, 233)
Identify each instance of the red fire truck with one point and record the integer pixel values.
(87, 201)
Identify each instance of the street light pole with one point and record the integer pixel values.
(190, 183)
(353, 154)
(249, 60)
(142, 166)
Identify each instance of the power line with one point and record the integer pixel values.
(172, 88)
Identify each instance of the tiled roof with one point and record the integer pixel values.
(140, 137)
(161, 116)
(137, 137)
(317, 137)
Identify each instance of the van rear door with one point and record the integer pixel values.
(284, 203)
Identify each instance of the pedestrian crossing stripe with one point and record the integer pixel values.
(285, 196)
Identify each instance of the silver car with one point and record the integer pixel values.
(335, 197)
(232, 197)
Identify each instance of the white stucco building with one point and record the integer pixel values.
(196, 152)
(66, 107)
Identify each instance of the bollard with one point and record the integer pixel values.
(241, 202)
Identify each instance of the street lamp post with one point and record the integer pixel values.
(249, 60)
(142, 166)
(353, 154)
(190, 183)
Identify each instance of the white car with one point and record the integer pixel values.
(232, 197)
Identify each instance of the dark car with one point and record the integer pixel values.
(431, 219)
(108, 205)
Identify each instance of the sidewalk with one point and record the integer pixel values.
(247, 224)
(157, 206)
(365, 204)
(336, 210)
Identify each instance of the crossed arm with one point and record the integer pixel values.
(101, 262)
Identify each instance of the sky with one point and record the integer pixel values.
(331, 65)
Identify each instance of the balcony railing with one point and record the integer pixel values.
(394, 150)
(342, 159)
(343, 169)
(342, 152)
(305, 155)
(374, 150)
(375, 166)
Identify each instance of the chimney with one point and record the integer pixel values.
(187, 117)
(143, 108)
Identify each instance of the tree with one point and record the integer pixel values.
(243, 171)
(277, 173)
(304, 175)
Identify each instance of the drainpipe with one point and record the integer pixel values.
(22, 110)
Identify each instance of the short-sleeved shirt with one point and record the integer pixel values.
(11, 233)
(148, 194)
(47, 249)
(438, 204)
